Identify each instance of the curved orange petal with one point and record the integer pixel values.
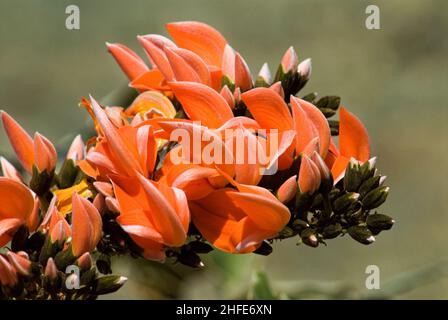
(8, 227)
(319, 121)
(200, 38)
(196, 63)
(132, 65)
(309, 176)
(268, 109)
(16, 200)
(118, 146)
(158, 57)
(303, 126)
(9, 171)
(150, 80)
(45, 153)
(353, 137)
(243, 78)
(202, 103)
(20, 141)
(182, 71)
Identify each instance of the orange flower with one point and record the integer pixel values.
(271, 112)
(198, 57)
(17, 205)
(39, 152)
(353, 143)
(125, 150)
(154, 215)
(237, 221)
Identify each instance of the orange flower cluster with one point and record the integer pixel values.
(199, 84)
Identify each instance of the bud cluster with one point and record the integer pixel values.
(346, 208)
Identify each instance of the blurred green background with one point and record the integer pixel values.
(394, 79)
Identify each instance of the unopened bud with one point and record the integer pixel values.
(109, 284)
(309, 237)
(304, 69)
(85, 261)
(190, 258)
(353, 176)
(264, 78)
(368, 169)
(375, 198)
(332, 231)
(200, 247)
(51, 271)
(368, 185)
(379, 221)
(264, 249)
(345, 201)
(21, 264)
(361, 234)
(300, 224)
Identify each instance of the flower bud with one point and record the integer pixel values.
(309, 176)
(326, 177)
(353, 176)
(77, 149)
(369, 184)
(44, 153)
(304, 69)
(345, 201)
(21, 264)
(361, 234)
(51, 271)
(277, 87)
(309, 238)
(190, 258)
(287, 190)
(264, 249)
(84, 261)
(375, 198)
(332, 231)
(8, 276)
(289, 60)
(264, 78)
(108, 284)
(379, 221)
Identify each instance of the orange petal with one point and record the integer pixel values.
(319, 122)
(77, 149)
(45, 153)
(278, 88)
(8, 227)
(202, 103)
(150, 80)
(228, 96)
(34, 218)
(200, 38)
(158, 57)
(287, 190)
(8, 276)
(132, 65)
(9, 171)
(181, 69)
(338, 168)
(353, 137)
(118, 146)
(268, 109)
(16, 200)
(303, 126)
(243, 79)
(149, 100)
(290, 61)
(309, 176)
(196, 63)
(20, 141)
(86, 225)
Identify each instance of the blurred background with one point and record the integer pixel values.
(394, 79)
